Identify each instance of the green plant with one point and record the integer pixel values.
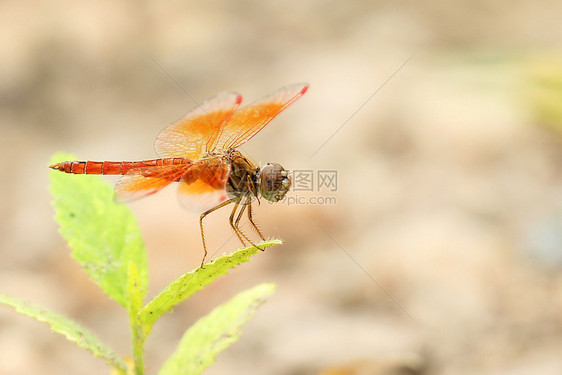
(544, 91)
(107, 243)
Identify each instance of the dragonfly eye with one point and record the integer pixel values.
(274, 182)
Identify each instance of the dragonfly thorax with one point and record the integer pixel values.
(243, 178)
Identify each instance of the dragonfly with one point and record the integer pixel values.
(200, 152)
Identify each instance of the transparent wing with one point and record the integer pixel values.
(144, 181)
(249, 120)
(203, 185)
(198, 131)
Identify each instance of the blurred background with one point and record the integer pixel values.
(440, 250)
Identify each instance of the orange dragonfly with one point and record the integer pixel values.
(200, 152)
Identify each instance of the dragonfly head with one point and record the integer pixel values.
(274, 182)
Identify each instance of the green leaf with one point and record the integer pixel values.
(215, 332)
(134, 290)
(103, 235)
(193, 281)
(72, 330)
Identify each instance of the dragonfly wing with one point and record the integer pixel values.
(249, 120)
(144, 181)
(203, 185)
(198, 131)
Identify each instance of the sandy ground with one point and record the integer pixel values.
(442, 250)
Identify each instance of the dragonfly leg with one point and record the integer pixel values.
(235, 225)
(251, 219)
(239, 234)
(201, 225)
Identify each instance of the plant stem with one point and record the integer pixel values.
(138, 345)
(135, 303)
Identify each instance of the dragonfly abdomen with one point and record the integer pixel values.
(113, 167)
